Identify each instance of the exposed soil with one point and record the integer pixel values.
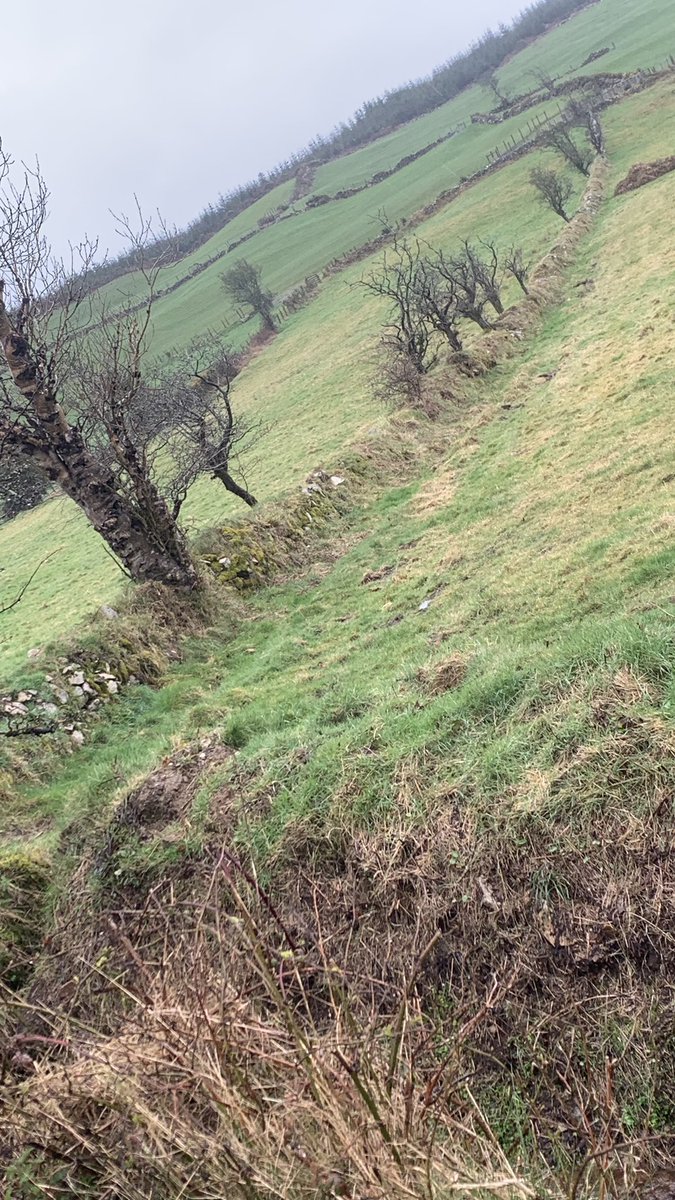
(643, 173)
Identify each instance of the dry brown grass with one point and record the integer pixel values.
(355, 1029)
(242, 1063)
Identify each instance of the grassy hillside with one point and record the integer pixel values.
(530, 503)
(373, 895)
(80, 576)
(312, 403)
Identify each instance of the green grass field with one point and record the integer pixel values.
(312, 386)
(314, 403)
(388, 851)
(547, 533)
(80, 576)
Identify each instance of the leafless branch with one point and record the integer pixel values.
(20, 595)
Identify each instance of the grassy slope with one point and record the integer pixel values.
(545, 540)
(638, 35)
(292, 387)
(313, 404)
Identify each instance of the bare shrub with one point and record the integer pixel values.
(560, 138)
(464, 278)
(408, 332)
(554, 190)
(234, 1068)
(243, 283)
(196, 421)
(515, 265)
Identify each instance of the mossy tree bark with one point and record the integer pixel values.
(139, 530)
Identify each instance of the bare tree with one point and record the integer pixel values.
(596, 135)
(72, 384)
(545, 81)
(205, 433)
(437, 302)
(408, 332)
(458, 277)
(582, 113)
(243, 283)
(559, 138)
(515, 265)
(554, 190)
(487, 272)
(491, 82)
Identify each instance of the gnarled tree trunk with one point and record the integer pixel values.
(231, 484)
(144, 537)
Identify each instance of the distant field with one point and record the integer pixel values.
(130, 288)
(294, 248)
(643, 33)
(352, 170)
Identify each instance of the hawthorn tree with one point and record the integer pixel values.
(437, 301)
(400, 281)
(554, 189)
(243, 283)
(560, 138)
(74, 387)
(582, 113)
(205, 435)
(458, 277)
(486, 272)
(515, 265)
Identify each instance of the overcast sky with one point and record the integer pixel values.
(179, 100)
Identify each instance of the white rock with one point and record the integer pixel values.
(336, 480)
(77, 737)
(62, 696)
(424, 606)
(24, 696)
(77, 679)
(108, 612)
(50, 710)
(15, 709)
(36, 652)
(225, 561)
(112, 686)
